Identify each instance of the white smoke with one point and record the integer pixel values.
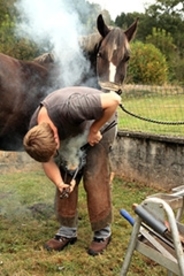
(56, 20)
(70, 151)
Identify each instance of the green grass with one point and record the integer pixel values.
(28, 221)
(154, 105)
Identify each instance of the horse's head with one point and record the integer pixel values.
(114, 52)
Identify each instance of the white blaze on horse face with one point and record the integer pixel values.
(112, 67)
(112, 70)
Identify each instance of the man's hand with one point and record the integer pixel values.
(62, 186)
(53, 173)
(94, 137)
(66, 189)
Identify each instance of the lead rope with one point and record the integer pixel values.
(110, 86)
(149, 120)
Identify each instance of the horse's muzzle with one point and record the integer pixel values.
(111, 86)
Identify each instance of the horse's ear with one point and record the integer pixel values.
(130, 33)
(102, 27)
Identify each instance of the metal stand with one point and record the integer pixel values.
(162, 246)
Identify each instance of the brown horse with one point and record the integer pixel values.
(24, 83)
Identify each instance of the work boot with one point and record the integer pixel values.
(97, 246)
(58, 243)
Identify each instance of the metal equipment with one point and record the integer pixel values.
(157, 232)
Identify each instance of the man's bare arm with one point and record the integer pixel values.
(110, 102)
(53, 173)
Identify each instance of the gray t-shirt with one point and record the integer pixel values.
(71, 109)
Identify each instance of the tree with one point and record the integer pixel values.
(169, 15)
(164, 41)
(9, 44)
(144, 27)
(162, 24)
(164, 14)
(147, 65)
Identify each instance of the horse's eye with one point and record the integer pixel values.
(99, 54)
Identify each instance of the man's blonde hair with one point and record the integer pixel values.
(39, 142)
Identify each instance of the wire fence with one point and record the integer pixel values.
(152, 109)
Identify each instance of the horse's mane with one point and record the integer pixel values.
(45, 58)
(88, 42)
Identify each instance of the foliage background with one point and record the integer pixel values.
(162, 24)
(148, 65)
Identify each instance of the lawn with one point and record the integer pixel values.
(164, 107)
(28, 221)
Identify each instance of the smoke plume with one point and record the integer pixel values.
(58, 22)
